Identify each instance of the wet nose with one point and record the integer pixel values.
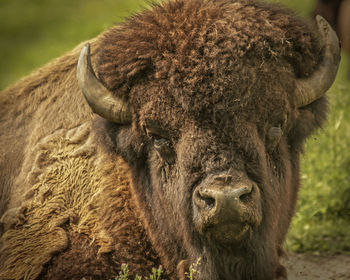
(224, 208)
(225, 198)
(214, 196)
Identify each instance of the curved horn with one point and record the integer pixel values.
(100, 99)
(312, 88)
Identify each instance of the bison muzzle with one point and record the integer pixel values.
(227, 207)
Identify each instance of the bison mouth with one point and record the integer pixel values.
(227, 210)
(228, 233)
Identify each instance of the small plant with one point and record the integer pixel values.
(124, 273)
(156, 273)
(193, 270)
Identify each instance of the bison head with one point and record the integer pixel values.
(209, 102)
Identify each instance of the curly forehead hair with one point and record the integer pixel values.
(206, 46)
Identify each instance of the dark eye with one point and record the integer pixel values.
(161, 141)
(278, 124)
(165, 150)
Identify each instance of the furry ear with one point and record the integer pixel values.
(307, 120)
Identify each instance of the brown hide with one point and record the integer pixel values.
(207, 81)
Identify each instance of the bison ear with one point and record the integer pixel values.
(274, 136)
(101, 100)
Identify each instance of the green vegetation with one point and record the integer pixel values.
(124, 274)
(156, 273)
(193, 270)
(33, 32)
(322, 222)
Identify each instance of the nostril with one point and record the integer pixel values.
(245, 193)
(209, 201)
(205, 200)
(245, 197)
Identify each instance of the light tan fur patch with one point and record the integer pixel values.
(64, 192)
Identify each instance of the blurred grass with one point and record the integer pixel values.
(33, 32)
(322, 222)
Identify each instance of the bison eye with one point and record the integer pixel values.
(273, 138)
(160, 138)
(164, 149)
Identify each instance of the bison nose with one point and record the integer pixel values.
(214, 197)
(227, 208)
(226, 200)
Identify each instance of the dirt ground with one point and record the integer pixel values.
(310, 267)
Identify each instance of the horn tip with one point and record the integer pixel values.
(320, 19)
(86, 47)
(85, 51)
(329, 36)
(323, 25)
(84, 62)
(325, 28)
(82, 55)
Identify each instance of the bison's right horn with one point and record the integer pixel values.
(310, 89)
(100, 99)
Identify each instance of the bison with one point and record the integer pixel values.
(174, 139)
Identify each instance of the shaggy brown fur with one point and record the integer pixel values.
(74, 202)
(208, 77)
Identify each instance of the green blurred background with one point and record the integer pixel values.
(32, 32)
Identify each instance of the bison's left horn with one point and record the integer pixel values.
(100, 99)
(310, 89)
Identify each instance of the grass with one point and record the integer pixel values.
(124, 274)
(322, 222)
(33, 32)
(157, 273)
